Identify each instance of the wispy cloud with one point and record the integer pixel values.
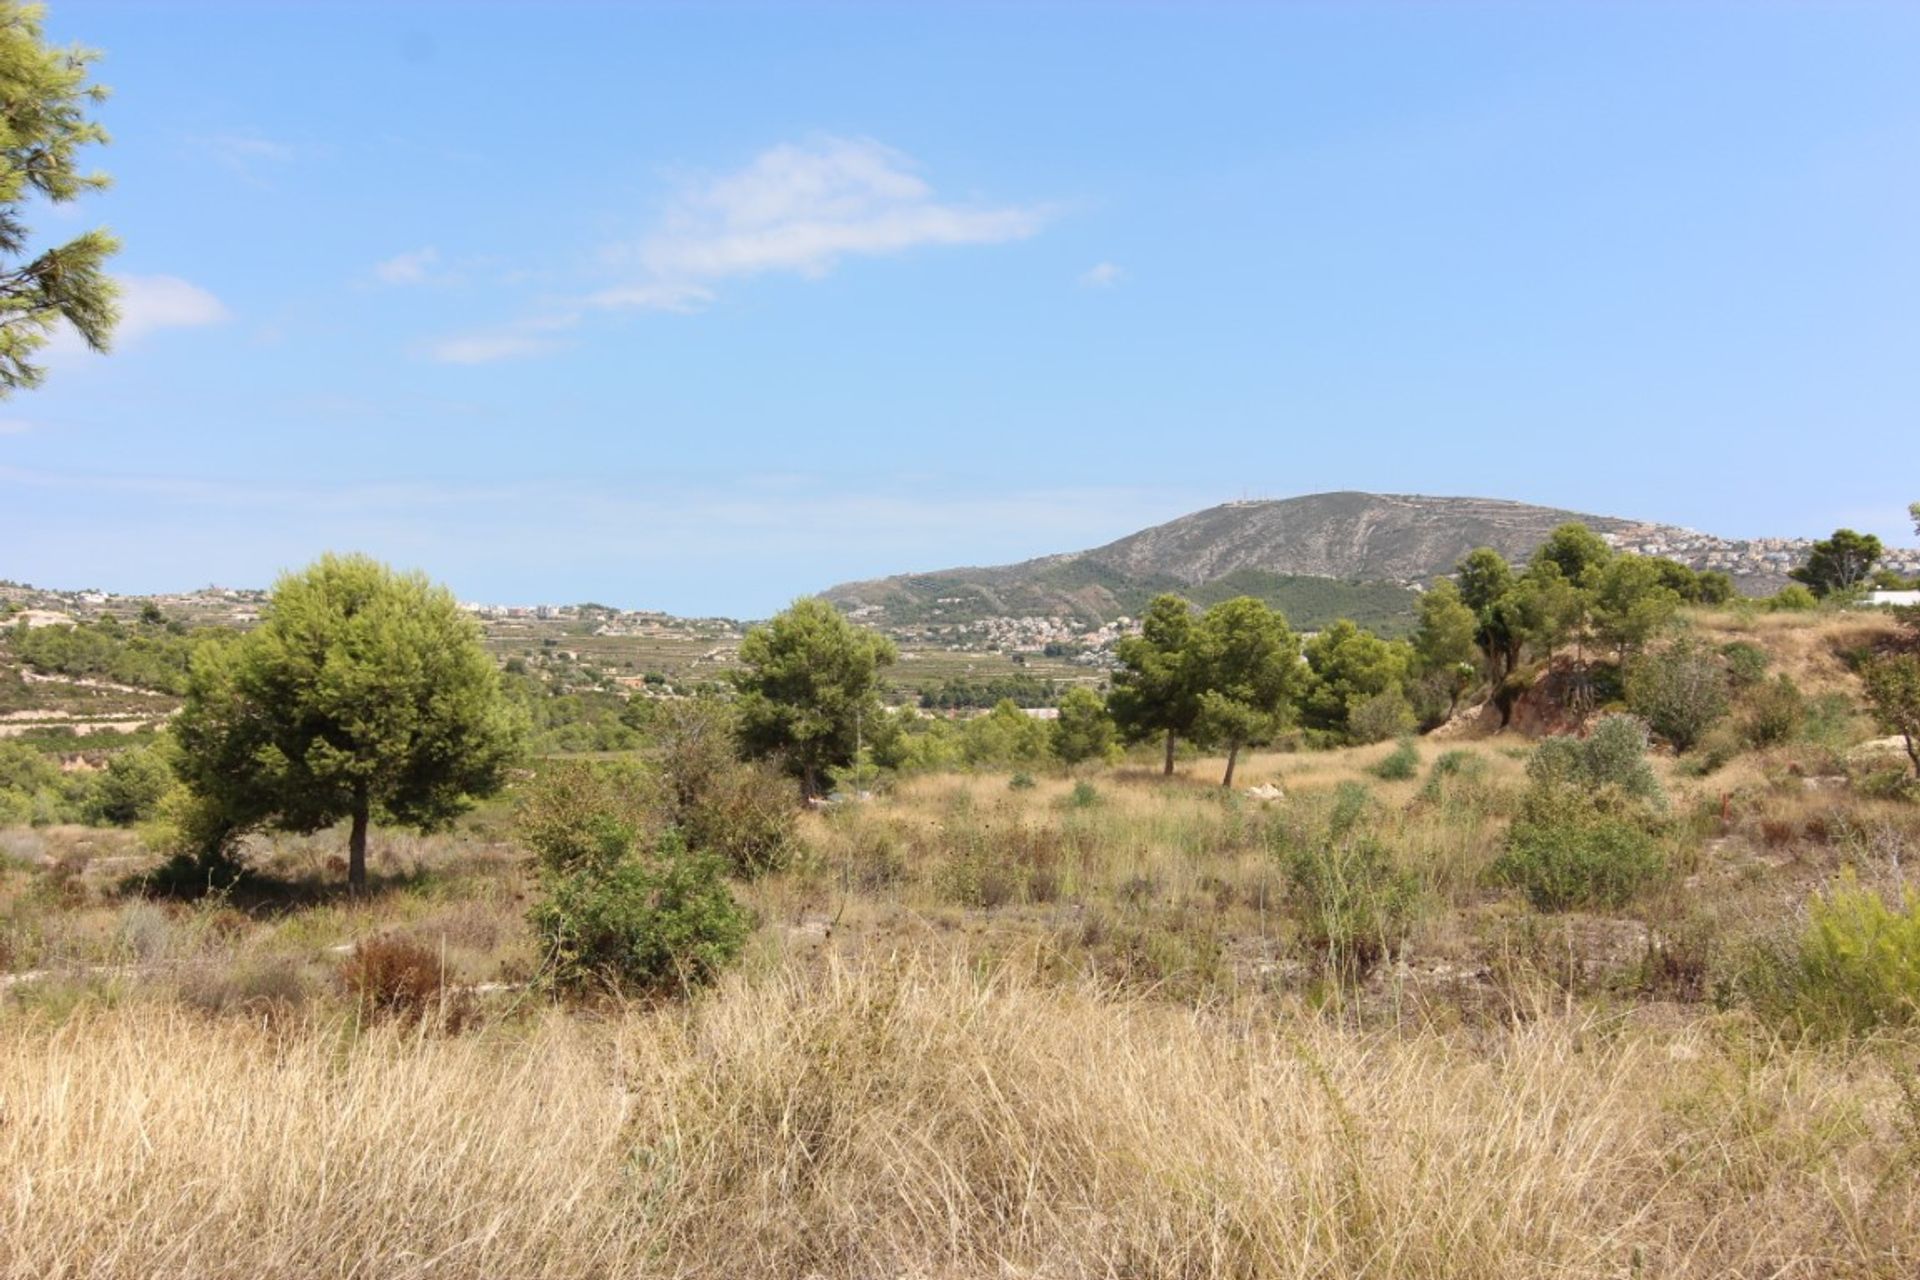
(243, 152)
(534, 336)
(15, 426)
(149, 304)
(800, 209)
(1102, 275)
(803, 207)
(414, 266)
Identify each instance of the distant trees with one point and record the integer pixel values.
(1358, 685)
(365, 693)
(43, 127)
(1839, 563)
(809, 680)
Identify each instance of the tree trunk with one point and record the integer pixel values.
(1913, 752)
(809, 783)
(1168, 771)
(357, 848)
(1233, 754)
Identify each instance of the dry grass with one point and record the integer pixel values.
(905, 1118)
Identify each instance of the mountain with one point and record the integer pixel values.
(1318, 557)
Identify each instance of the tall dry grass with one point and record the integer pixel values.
(911, 1118)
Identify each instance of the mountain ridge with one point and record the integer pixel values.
(1326, 551)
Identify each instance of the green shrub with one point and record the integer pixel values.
(1680, 690)
(1022, 781)
(744, 815)
(1775, 712)
(578, 816)
(1398, 766)
(1854, 967)
(1793, 598)
(659, 923)
(1353, 905)
(1564, 851)
(1083, 796)
(1746, 663)
(1613, 756)
(1386, 714)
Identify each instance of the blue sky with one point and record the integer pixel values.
(703, 308)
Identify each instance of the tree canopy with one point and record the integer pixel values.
(1839, 563)
(44, 99)
(1247, 667)
(365, 693)
(810, 679)
(1154, 693)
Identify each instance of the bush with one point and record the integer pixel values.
(1083, 796)
(1854, 967)
(1680, 690)
(1564, 851)
(1021, 781)
(1775, 712)
(744, 815)
(1403, 763)
(1793, 598)
(655, 924)
(578, 816)
(392, 977)
(1746, 663)
(1612, 757)
(1353, 904)
(1386, 714)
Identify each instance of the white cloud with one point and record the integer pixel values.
(659, 296)
(488, 348)
(801, 208)
(531, 337)
(149, 304)
(411, 267)
(797, 209)
(1103, 275)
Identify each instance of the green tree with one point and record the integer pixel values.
(1084, 729)
(44, 100)
(1487, 587)
(1893, 687)
(1484, 577)
(1630, 605)
(810, 682)
(1006, 735)
(1575, 550)
(1350, 668)
(1154, 693)
(1443, 643)
(1839, 563)
(1247, 666)
(364, 693)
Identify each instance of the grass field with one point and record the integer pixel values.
(1089, 1026)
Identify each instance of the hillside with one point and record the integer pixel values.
(1317, 557)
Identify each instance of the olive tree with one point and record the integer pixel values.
(364, 694)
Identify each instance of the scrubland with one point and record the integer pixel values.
(1099, 1024)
